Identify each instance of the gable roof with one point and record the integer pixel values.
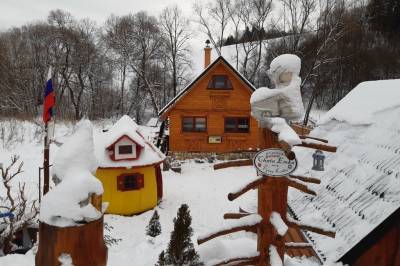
(202, 74)
(149, 155)
(360, 187)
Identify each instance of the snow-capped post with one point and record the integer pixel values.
(71, 214)
(276, 111)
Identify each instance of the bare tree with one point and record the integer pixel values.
(175, 29)
(22, 211)
(297, 18)
(214, 19)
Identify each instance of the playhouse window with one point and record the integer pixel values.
(125, 149)
(237, 124)
(127, 182)
(194, 124)
(220, 82)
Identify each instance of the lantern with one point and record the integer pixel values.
(318, 161)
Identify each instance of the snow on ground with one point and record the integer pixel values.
(199, 186)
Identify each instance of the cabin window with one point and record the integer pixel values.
(128, 182)
(220, 82)
(125, 149)
(237, 124)
(194, 124)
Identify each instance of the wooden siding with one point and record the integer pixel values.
(215, 105)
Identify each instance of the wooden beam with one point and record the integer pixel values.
(308, 137)
(235, 215)
(287, 149)
(300, 187)
(306, 179)
(321, 147)
(249, 228)
(313, 229)
(239, 259)
(253, 185)
(235, 163)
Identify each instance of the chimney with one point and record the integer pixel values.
(207, 54)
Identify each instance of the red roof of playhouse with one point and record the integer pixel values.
(125, 127)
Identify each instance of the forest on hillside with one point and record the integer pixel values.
(134, 64)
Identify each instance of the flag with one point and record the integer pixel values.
(49, 99)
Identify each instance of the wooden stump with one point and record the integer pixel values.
(85, 244)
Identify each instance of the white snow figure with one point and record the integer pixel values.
(68, 204)
(274, 107)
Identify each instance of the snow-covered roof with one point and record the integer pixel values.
(153, 122)
(125, 127)
(360, 187)
(188, 87)
(368, 98)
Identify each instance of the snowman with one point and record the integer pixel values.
(275, 108)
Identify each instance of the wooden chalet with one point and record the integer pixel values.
(212, 114)
(359, 194)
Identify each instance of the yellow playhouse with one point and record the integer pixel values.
(129, 168)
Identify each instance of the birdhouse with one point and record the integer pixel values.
(318, 161)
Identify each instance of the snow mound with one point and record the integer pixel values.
(68, 203)
(285, 132)
(278, 223)
(274, 257)
(365, 100)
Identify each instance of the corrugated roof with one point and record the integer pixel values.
(360, 187)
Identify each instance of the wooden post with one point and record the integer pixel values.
(272, 197)
(264, 232)
(85, 244)
(46, 156)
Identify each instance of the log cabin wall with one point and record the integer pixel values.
(215, 105)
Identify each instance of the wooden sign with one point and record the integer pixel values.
(273, 162)
(214, 139)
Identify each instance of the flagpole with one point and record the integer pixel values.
(46, 153)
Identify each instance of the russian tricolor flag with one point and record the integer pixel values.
(49, 99)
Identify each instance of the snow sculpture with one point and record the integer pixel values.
(68, 204)
(273, 108)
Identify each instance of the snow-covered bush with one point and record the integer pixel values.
(21, 211)
(180, 249)
(153, 229)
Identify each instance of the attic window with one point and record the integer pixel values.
(125, 149)
(220, 82)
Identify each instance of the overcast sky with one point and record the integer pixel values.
(20, 12)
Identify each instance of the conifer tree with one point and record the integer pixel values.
(153, 229)
(180, 249)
